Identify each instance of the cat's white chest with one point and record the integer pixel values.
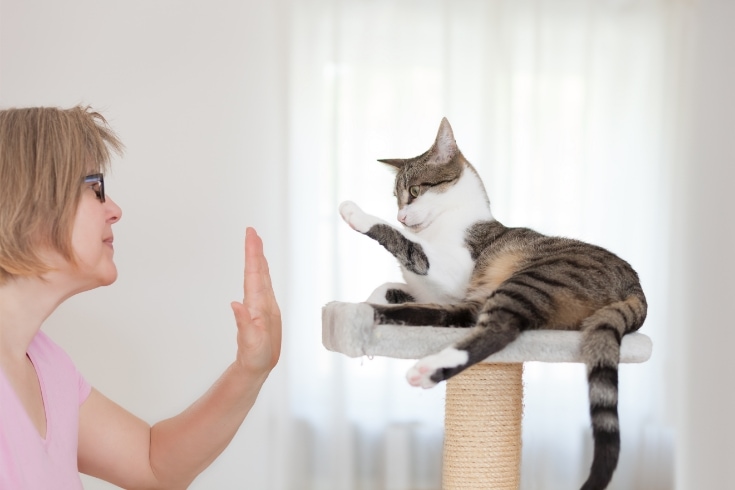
(450, 270)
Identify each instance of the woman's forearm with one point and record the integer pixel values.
(183, 446)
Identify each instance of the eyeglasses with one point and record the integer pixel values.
(98, 185)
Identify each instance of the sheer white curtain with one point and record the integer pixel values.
(564, 107)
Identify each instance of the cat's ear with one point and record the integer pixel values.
(445, 147)
(397, 163)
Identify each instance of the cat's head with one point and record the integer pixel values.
(438, 180)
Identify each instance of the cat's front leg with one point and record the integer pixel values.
(391, 293)
(357, 218)
(410, 253)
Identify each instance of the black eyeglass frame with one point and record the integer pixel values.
(97, 179)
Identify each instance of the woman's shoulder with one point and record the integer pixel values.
(55, 367)
(43, 351)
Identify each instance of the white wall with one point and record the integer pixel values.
(196, 90)
(705, 204)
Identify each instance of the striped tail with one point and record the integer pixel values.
(602, 335)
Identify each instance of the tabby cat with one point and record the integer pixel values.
(463, 268)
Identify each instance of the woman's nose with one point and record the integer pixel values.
(114, 211)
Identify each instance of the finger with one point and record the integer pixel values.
(257, 286)
(255, 261)
(250, 333)
(254, 250)
(242, 315)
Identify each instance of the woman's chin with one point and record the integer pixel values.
(112, 277)
(107, 277)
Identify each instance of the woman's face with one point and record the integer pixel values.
(92, 240)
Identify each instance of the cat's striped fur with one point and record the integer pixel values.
(463, 268)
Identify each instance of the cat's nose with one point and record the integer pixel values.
(402, 218)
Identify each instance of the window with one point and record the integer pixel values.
(562, 108)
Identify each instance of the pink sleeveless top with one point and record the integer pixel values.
(28, 461)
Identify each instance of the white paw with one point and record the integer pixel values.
(356, 218)
(420, 374)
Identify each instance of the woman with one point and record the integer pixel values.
(56, 240)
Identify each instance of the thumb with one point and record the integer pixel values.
(242, 314)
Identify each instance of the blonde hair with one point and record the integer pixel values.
(45, 153)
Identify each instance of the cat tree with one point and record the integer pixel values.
(484, 404)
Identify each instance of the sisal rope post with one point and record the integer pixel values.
(482, 423)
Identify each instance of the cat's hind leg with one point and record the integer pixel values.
(483, 341)
(500, 321)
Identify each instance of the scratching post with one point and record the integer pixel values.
(484, 404)
(482, 425)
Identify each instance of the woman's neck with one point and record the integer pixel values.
(25, 303)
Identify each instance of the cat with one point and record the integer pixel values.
(463, 268)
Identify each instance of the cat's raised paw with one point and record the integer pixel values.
(428, 371)
(356, 217)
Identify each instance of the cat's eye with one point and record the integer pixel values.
(97, 183)
(414, 190)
